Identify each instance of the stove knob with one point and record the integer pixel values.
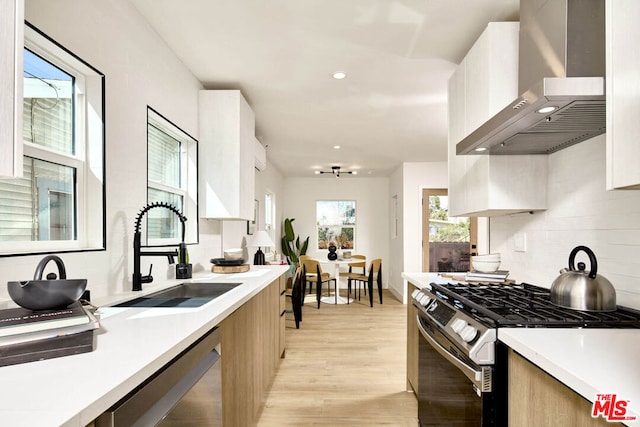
(458, 325)
(468, 333)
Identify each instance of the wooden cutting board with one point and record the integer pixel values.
(230, 268)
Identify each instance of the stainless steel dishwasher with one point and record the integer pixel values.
(186, 391)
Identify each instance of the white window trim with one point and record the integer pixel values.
(189, 176)
(270, 227)
(354, 226)
(88, 159)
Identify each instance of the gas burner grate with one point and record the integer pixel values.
(526, 305)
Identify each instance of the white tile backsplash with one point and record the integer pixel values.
(581, 212)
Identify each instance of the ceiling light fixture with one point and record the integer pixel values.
(339, 75)
(335, 170)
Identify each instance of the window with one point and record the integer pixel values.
(172, 178)
(270, 215)
(336, 222)
(448, 241)
(58, 204)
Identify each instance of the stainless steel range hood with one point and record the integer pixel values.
(562, 65)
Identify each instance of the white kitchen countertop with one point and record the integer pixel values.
(132, 344)
(589, 361)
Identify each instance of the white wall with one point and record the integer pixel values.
(234, 232)
(140, 70)
(407, 183)
(396, 243)
(418, 176)
(581, 212)
(372, 212)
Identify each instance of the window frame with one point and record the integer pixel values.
(89, 157)
(270, 217)
(188, 179)
(352, 226)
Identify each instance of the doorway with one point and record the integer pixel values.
(447, 242)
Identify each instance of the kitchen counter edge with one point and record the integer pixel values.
(74, 390)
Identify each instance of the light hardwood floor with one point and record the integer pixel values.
(345, 366)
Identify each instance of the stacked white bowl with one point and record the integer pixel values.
(486, 263)
(233, 254)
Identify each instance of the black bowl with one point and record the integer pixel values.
(227, 262)
(46, 294)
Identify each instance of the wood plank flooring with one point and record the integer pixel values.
(345, 366)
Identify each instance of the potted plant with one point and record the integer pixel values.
(291, 246)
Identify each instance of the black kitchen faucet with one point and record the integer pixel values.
(183, 269)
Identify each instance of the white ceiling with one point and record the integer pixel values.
(398, 56)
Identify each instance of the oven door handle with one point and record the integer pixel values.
(481, 379)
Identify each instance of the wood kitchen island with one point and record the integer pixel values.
(133, 343)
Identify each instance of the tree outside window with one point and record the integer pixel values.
(445, 229)
(336, 223)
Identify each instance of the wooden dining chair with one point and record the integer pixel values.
(319, 278)
(354, 270)
(311, 272)
(297, 295)
(375, 274)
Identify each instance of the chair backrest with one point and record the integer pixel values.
(297, 294)
(297, 274)
(311, 265)
(302, 258)
(360, 264)
(375, 265)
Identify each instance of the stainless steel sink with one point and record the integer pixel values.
(184, 295)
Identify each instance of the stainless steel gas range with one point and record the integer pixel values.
(462, 374)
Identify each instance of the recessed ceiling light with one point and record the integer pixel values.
(481, 149)
(339, 75)
(545, 110)
(337, 147)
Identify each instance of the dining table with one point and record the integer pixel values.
(336, 268)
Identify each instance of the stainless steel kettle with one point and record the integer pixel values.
(583, 290)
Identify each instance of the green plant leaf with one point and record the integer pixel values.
(286, 250)
(288, 229)
(291, 246)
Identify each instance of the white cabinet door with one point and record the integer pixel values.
(226, 159)
(11, 48)
(456, 164)
(484, 83)
(623, 93)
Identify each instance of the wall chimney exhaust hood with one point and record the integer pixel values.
(560, 79)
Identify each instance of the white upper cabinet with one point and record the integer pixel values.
(11, 86)
(623, 94)
(484, 83)
(227, 155)
(260, 155)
